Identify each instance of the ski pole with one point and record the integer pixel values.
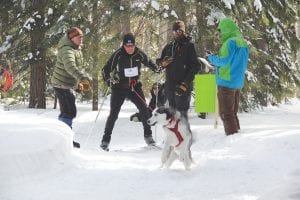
(101, 105)
(94, 127)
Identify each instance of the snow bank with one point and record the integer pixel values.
(30, 145)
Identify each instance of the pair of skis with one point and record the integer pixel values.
(136, 149)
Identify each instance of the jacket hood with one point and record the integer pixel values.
(228, 29)
(65, 41)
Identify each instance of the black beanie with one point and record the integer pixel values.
(128, 39)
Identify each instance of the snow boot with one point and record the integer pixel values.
(202, 115)
(76, 144)
(149, 140)
(135, 117)
(104, 145)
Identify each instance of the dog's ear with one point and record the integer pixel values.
(164, 110)
(169, 114)
(161, 110)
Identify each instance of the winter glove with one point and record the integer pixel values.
(158, 69)
(164, 63)
(108, 82)
(83, 86)
(181, 89)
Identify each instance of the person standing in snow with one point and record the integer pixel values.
(67, 74)
(122, 72)
(179, 58)
(231, 65)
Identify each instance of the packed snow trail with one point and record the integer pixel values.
(261, 162)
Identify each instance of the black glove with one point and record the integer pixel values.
(108, 82)
(181, 89)
(158, 69)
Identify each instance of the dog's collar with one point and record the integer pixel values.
(175, 131)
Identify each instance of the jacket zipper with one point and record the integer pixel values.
(129, 81)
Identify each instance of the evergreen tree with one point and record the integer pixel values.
(269, 28)
(272, 73)
(28, 39)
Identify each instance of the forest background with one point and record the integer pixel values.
(30, 31)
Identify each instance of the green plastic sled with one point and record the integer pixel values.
(205, 93)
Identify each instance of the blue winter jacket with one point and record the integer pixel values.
(231, 64)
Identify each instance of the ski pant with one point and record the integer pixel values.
(67, 105)
(179, 103)
(228, 107)
(117, 98)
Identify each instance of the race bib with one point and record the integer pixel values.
(131, 72)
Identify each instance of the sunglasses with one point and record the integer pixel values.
(177, 31)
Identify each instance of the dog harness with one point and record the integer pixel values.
(176, 132)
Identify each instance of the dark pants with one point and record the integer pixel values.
(228, 107)
(67, 105)
(116, 101)
(179, 103)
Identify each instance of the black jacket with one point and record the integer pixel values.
(185, 64)
(113, 70)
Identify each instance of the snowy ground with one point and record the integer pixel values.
(37, 161)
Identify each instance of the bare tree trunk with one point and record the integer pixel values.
(164, 33)
(179, 7)
(4, 17)
(146, 43)
(298, 36)
(38, 65)
(297, 26)
(95, 46)
(125, 17)
(55, 102)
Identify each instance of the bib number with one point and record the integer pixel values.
(131, 72)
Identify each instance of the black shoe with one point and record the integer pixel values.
(104, 146)
(149, 140)
(202, 115)
(76, 144)
(135, 117)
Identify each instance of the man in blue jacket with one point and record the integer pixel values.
(231, 65)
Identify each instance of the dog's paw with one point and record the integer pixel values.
(164, 166)
(181, 158)
(187, 164)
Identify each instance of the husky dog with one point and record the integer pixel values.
(178, 137)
